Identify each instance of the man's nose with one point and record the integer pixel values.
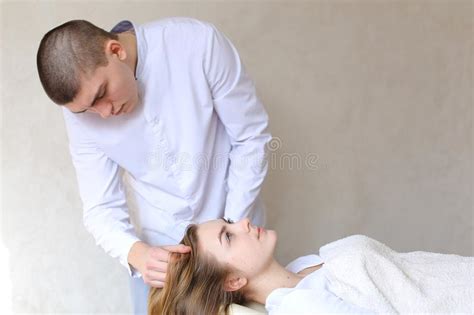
(104, 109)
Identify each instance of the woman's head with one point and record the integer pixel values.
(224, 259)
(245, 249)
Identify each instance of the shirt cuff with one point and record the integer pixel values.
(132, 272)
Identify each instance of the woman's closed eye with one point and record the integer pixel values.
(228, 236)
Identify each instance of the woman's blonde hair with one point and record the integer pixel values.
(194, 284)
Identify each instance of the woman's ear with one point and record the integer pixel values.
(234, 282)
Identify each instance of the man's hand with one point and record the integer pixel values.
(152, 261)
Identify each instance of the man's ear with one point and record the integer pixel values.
(234, 282)
(115, 47)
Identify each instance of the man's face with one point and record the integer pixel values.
(108, 91)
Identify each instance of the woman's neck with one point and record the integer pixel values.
(274, 277)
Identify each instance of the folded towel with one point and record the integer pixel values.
(369, 274)
(249, 308)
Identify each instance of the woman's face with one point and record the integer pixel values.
(241, 246)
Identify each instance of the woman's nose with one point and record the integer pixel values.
(245, 224)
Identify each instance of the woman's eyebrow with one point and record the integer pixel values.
(220, 234)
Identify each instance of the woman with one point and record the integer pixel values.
(233, 263)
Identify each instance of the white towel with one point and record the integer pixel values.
(369, 274)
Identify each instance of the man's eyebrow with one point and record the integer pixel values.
(93, 101)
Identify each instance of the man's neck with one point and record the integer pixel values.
(129, 41)
(275, 276)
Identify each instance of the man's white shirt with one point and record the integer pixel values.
(194, 148)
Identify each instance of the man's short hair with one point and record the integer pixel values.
(67, 51)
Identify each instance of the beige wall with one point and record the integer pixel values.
(373, 98)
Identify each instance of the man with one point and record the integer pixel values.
(168, 102)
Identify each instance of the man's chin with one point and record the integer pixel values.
(130, 106)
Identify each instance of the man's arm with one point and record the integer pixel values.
(245, 120)
(105, 211)
(106, 214)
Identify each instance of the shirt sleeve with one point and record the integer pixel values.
(101, 189)
(245, 120)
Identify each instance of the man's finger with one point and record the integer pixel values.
(156, 284)
(156, 276)
(157, 265)
(180, 248)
